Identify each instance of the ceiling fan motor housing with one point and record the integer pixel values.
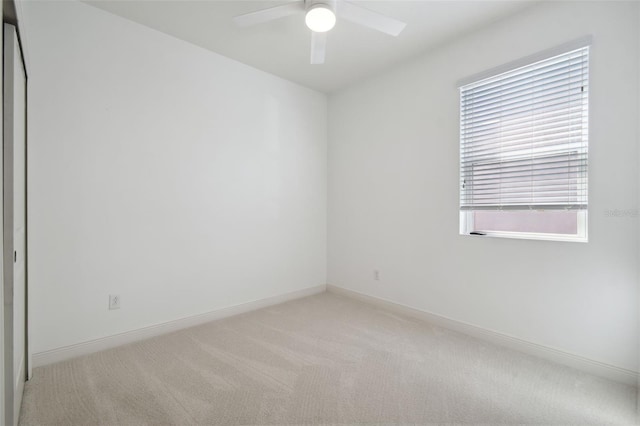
(329, 4)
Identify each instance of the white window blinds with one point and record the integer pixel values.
(524, 137)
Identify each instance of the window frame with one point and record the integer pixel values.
(466, 216)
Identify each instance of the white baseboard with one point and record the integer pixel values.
(556, 355)
(84, 348)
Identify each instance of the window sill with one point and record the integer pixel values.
(531, 236)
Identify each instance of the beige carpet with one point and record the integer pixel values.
(324, 359)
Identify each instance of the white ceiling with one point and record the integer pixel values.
(282, 47)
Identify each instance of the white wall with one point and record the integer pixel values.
(179, 179)
(393, 192)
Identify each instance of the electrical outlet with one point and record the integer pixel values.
(114, 301)
(376, 275)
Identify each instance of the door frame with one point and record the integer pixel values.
(11, 40)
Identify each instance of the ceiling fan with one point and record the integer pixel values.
(320, 17)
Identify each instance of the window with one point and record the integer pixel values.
(524, 150)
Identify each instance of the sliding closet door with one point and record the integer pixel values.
(14, 208)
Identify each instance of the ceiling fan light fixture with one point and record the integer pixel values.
(320, 18)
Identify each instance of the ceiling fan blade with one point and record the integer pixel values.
(270, 14)
(318, 47)
(369, 18)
